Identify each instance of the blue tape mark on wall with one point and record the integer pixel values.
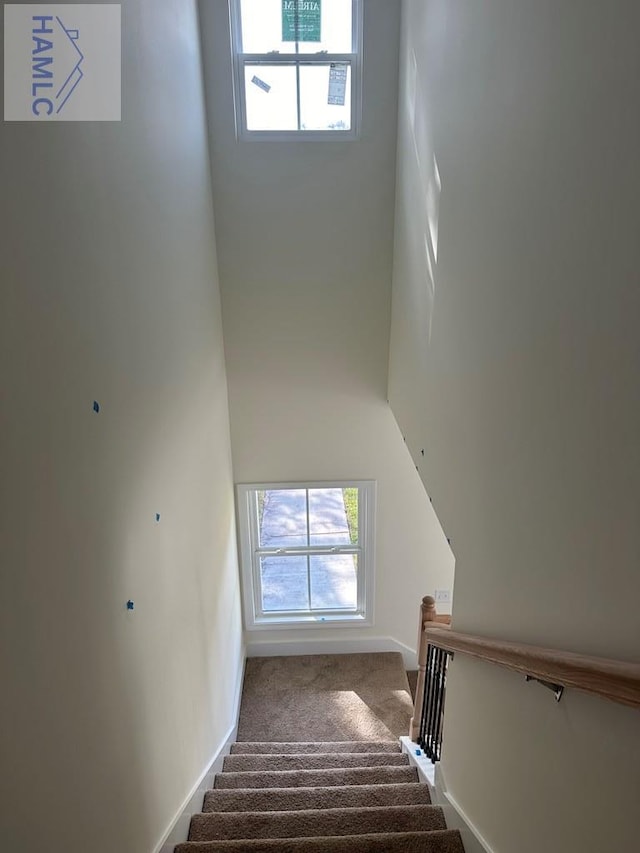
(96, 406)
(129, 605)
(157, 516)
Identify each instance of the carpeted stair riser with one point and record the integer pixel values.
(316, 778)
(315, 822)
(290, 799)
(312, 761)
(314, 770)
(270, 748)
(440, 841)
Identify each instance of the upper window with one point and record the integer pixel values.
(307, 553)
(297, 68)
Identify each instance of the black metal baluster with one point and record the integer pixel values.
(440, 710)
(428, 696)
(431, 752)
(434, 701)
(426, 704)
(425, 692)
(431, 720)
(433, 698)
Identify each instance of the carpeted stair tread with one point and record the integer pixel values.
(309, 747)
(315, 822)
(317, 761)
(290, 799)
(439, 841)
(375, 671)
(318, 767)
(316, 778)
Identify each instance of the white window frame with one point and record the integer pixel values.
(254, 618)
(240, 59)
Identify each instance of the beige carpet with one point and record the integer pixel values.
(318, 767)
(307, 823)
(325, 778)
(344, 806)
(412, 677)
(325, 698)
(337, 796)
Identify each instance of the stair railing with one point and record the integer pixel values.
(435, 687)
(614, 680)
(426, 723)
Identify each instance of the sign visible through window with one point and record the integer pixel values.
(301, 20)
(297, 68)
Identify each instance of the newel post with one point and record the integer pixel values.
(427, 613)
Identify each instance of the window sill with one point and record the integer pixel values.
(280, 623)
(298, 136)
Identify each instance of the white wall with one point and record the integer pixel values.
(109, 293)
(305, 253)
(525, 393)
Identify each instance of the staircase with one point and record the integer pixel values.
(342, 797)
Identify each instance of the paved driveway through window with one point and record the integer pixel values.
(301, 582)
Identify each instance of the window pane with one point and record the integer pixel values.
(333, 580)
(328, 524)
(284, 518)
(325, 97)
(265, 23)
(262, 26)
(284, 582)
(350, 497)
(271, 97)
(335, 29)
(305, 552)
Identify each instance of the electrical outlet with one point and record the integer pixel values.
(443, 596)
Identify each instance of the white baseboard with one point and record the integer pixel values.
(417, 758)
(178, 830)
(257, 649)
(456, 818)
(453, 813)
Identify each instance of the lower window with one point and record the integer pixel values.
(307, 553)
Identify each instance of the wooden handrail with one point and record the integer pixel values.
(610, 679)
